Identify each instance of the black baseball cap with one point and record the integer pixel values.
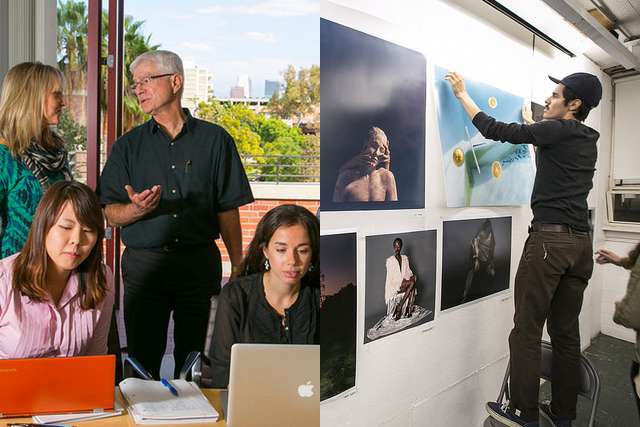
(585, 85)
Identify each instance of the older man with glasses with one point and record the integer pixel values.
(174, 185)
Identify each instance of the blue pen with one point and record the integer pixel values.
(169, 386)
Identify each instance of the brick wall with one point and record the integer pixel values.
(250, 216)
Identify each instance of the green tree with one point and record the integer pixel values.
(256, 135)
(282, 140)
(72, 45)
(72, 55)
(73, 134)
(241, 123)
(135, 44)
(301, 92)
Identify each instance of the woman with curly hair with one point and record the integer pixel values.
(276, 298)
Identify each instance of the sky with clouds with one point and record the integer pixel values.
(259, 38)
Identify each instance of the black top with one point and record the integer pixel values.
(565, 158)
(200, 173)
(244, 316)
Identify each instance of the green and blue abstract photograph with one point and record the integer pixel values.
(478, 171)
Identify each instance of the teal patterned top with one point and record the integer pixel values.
(20, 193)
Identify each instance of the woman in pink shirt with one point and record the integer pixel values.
(56, 296)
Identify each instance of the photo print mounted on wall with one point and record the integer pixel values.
(373, 122)
(338, 311)
(400, 282)
(479, 171)
(476, 259)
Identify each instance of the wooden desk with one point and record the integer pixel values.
(125, 420)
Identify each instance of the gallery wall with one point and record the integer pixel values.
(446, 367)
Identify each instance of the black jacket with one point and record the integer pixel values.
(244, 316)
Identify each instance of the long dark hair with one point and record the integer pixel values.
(30, 267)
(283, 216)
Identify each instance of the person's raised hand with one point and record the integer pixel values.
(457, 83)
(145, 201)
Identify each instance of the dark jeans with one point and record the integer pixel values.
(159, 282)
(552, 275)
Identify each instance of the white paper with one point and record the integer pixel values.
(150, 402)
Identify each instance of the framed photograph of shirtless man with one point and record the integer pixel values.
(476, 259)
(373, 122)
(400, 282)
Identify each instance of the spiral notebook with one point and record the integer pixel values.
(152, 402)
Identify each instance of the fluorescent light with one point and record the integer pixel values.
(546, 20)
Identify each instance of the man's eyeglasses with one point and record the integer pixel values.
(147, 79)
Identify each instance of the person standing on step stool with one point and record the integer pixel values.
(556, 262)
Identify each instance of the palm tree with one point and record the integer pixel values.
(135, 44)
(72, 55)
(72, 46)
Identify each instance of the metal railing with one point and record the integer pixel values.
(259, 168)
(276, 168)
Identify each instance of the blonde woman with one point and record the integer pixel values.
(32, 155)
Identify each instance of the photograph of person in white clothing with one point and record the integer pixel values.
(400, 289)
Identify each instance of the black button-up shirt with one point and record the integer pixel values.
(200, 173)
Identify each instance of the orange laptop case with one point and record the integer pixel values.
(56, 385)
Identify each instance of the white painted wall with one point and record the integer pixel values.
(619, 238)
(444, 372)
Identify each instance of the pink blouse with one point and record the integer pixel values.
(40, 329)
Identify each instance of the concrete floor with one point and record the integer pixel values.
(612, 360)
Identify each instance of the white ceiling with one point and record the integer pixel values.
(621, 18)
(623, 14)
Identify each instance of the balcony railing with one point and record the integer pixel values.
(259, 168)
(274, 168)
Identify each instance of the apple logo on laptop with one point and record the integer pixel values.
(305, 390)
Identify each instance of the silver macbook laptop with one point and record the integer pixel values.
(274, 385)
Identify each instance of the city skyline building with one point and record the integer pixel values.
(236, 92)
(245, 81)
(197, 87)
(270, 87)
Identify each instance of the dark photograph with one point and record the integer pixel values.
(338, 313)
(476, 259)
(373, 122)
